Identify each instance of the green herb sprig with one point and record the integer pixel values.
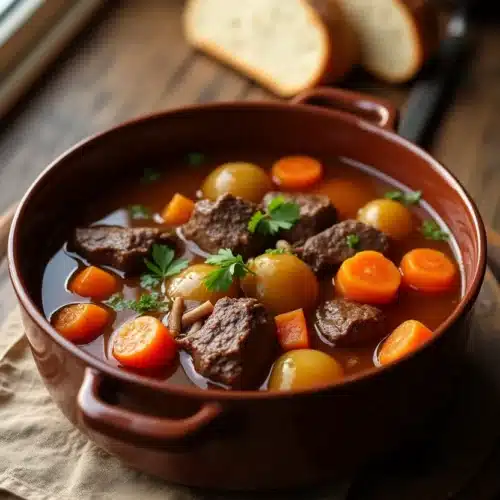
(150, 175)
(150, 281)
(432, 231)
(195, 159)
(147, 302)
(352, 241)
(277, 251)
(139, 212)
(410, 198)
(280, 214)
(229, 266)
(163, 265)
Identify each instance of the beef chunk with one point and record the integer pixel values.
(327, 250)
(236, 345)
(121, 247)
(346, 323)
(316, 213)
(223, 224)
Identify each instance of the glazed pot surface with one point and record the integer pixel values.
(231, 439)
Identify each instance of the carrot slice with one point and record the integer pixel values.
(292, 330)
(428, 270)
(144, 342)
(297, 172)
(95, 283)
(368, 277)
(407, 337)
(80, 323)
(178, 211)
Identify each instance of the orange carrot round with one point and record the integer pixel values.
(296, 172)
(178, 211)
(81, 323)
(368, 277)
(94, 282)
(292, 332)
(144, 342)
(428, 270)
(407, 337)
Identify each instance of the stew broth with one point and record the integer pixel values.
(182, 177)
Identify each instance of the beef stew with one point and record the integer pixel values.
(286, 259)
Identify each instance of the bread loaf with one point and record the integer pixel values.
(396, 36)
(285, 45)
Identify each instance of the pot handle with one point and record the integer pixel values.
(142, 429)
(375, 110)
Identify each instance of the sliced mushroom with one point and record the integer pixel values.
(175, 316)
(197, 314)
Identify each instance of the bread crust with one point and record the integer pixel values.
(343, 43)
(427, 26)
(424, 21)
(341, 49)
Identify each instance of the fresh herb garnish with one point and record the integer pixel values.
(280, 214)
(195, 159)
(117, 302)
(150, 175)
(230, 266)
(147, 302)
(432, 231)
(139, 212)
(410, 198)
(150, 281)
(352, 240)
(162, 266)
(277, 251)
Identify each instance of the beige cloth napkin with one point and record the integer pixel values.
(43, 457)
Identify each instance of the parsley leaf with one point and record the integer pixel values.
(150, 281)
(219, 280)
(277, 251)
(410, 198)
(176, 267)
(352, 240)
(162, 266)
(275, 203)
(195, 159)
(150, 175)
(432, 231)
(280, 214)
(221, 257)
(413, 197)
(229, 266)
(117, 302)
(150, 302)
(255, 221)
(138, 212)
(394, 195)
(162, 255)
(147, 302)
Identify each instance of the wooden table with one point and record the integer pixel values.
(134, 60)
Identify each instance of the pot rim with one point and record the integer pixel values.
(27, 304)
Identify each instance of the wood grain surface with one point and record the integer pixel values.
(133, 60)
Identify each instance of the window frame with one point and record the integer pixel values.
(32, 34)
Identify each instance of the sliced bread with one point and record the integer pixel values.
(285, 45)
(396, 36)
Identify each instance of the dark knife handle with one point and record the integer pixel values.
(433, 91)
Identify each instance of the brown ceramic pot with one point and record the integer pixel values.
(242, 439)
